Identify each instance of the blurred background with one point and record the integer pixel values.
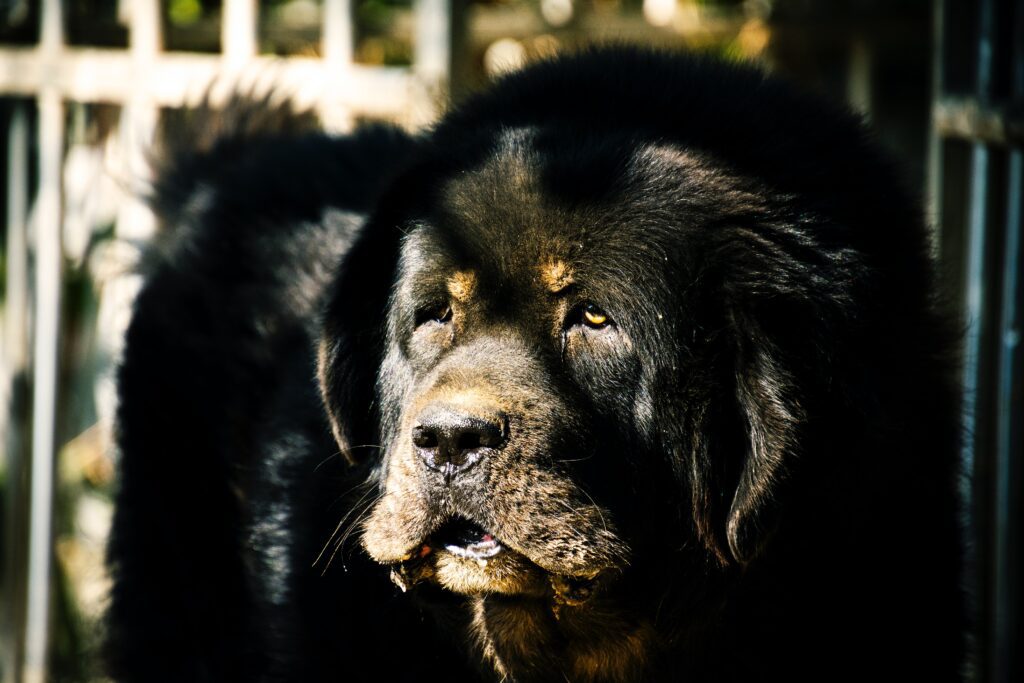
(85, 83)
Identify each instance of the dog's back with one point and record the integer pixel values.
(224, 447)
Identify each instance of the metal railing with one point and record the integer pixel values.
(141, 79)
(985, 113)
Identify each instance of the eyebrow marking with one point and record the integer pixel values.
(556, 275)
(462, 284)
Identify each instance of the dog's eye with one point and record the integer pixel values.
(439, 313)
(593, 317)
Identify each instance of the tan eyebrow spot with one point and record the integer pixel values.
(556, 275)
(461, 285)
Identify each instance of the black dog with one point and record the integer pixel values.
(636, 375)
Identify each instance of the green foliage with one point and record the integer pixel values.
(184, 12)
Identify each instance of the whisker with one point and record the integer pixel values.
(346, 451)
(326, 460)
(586, 457)
(600, 513)
(575, 530)
(339, 546)
(352, 526)
(597, 507)
(369, 483)
(342, 522)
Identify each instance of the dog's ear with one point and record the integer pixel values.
(352, 338)
(745, 434)
(770, 416)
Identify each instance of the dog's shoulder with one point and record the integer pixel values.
(218, 412)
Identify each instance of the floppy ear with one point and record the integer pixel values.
(771, 416)
(352, 334)
(745, 436)
(353, 342)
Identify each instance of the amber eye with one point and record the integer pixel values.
(594, 316)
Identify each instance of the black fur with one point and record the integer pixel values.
(749, 473)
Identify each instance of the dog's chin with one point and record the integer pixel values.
(465, 558)
(507, 573)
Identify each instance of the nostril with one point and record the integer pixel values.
(489, 434)
(424, 437)
(467, 441)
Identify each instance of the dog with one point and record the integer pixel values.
(630, 368)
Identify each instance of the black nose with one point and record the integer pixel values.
(451, 441)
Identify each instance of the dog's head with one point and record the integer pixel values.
(588, 337)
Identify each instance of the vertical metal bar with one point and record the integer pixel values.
(238, 31)
(338, 47)
(432, 57)
(138, 122)
(1009, 415)
(51, 34)
(44, 381)
(976, 292)
(144, 38)
(437, 38)
(858, 77)
(45, 352)
(977, 242)
(1009, 441)
(337, 41)
(935, 161)
(15, 363)
(16, 304)
(432, 40)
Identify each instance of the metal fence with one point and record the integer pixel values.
(141, 79)
(977, 190)
(976, 186)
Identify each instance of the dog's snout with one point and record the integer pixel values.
(451, 441)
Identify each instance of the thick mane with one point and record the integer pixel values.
(734, 112)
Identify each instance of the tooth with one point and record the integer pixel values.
(399, 580)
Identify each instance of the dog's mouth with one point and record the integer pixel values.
(466, 558)
(464, 539)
